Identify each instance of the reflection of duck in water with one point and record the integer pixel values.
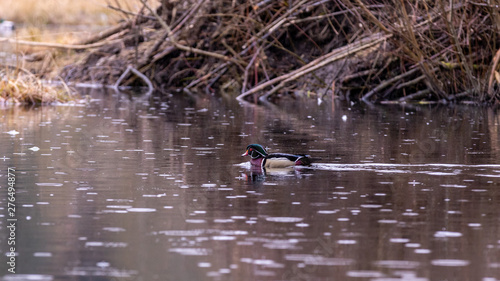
(260, 158)
(258, 175)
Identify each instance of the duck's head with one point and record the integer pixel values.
(255, 151)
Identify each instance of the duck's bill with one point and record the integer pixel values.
(245, 154)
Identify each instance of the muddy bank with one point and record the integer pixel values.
(402, 51)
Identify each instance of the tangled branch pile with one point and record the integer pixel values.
(377, 51)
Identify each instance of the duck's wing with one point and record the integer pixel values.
(298, 159)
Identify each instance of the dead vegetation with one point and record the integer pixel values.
(19, 86)
(378, 51)
(36, 13)
(444, 51)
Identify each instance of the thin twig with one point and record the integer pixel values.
(106, 33)
(492, 73)
(245, 75)
(125, 12)
(372, 17)
(193, 10)
(57, 45)
(206, 76)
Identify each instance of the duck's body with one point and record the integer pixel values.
(260, 158)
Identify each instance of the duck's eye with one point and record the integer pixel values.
(250, 150)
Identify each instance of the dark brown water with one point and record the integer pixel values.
(137, 189)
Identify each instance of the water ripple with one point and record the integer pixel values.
(284, 219)
(450, 262)
(191, 251)
(319, 260)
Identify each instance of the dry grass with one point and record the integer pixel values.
(61, 21)
(67, 12)
(18, 86)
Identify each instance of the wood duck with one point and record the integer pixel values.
(261, 158)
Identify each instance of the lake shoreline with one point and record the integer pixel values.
(409, 54)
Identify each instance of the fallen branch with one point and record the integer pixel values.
(416, 95)
(106, 33)
(139, 74)
(411, 82)
(357, 75)
(386, 83)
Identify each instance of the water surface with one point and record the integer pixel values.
(148, 189)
